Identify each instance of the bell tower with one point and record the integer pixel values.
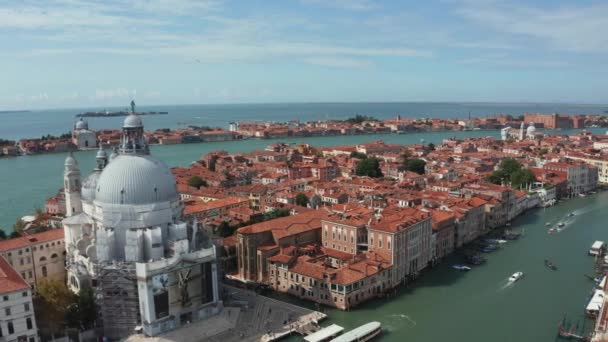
(71, 184)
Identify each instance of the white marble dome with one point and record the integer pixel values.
(82, 124)
(132, 121)
(531, 129)
(89, 185)
(136, 179)
(70, 162)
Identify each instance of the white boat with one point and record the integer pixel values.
(597, 248)
(324, 334)
(363, 333)
(561, 224)
(516, 276)
(547, 224)
(553, 230)
(461, 267)
(582, 195)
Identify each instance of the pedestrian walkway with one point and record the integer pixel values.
(246, 316)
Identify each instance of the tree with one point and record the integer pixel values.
(301, 199)
(431, 147)
(2, 234)
(405, 156)
(52, 302)
(522, 178)
(416, 165)
(19, 226)
(543, 151)
(357, 119)
(83, 312)
(369, 167)
(358, 155)
(197, 182)
(14, 235)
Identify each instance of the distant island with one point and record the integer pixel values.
(13, 111)
(111, 114)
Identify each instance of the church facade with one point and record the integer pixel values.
(125, 237)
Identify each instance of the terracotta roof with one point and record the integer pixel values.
(10, 280)
(31, 239)
(288, 225)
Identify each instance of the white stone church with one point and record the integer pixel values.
(125, 237)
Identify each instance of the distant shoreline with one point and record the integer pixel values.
(14, 111)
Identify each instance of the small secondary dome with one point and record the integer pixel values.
(136, 179)
(101, 154)
(70, 162)
(82, 124)
(132, 121)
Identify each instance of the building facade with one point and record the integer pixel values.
(17, 321)
(125, 234)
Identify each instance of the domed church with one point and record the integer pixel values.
(125, 237)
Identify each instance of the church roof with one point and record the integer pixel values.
(136, 179)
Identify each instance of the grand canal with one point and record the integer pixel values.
(444, 305)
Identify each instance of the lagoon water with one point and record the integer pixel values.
(58, 121)
(444, 305)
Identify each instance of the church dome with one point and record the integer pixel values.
(82, 124)
(88, 187)
(136, 179)
(132, 121)
(531, 129)
(70, 162)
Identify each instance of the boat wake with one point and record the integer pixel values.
(411, 322)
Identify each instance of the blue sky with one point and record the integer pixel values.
(75, 53)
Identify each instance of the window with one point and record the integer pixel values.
(27, 249)
(28, 322)
(20, 252)
(23, 275)
(153, 245)
(7, 311)
(26, 306)
(44, 271)
(5, 298)
(29, 274)
(21, 261)
(42, 259)
(11, 329)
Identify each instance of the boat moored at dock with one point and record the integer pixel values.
(325, 334)
(598, 247)
(366, 332)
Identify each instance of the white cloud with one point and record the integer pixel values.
(340, 62)
(570, 28)
(352, 5)
(114, 93)
(175, 6)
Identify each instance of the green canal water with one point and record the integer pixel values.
(444, 305)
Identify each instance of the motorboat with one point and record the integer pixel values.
(461, 267)
(547, 224)
(550, 265)
(516, 276)
(570, 214)
(561, 225)
(553, 230)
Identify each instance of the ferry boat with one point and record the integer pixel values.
(325, 334)
(461, 267)
(516, 276)
(366, 332)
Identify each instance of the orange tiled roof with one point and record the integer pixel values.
(10, 280)
(32, 239)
